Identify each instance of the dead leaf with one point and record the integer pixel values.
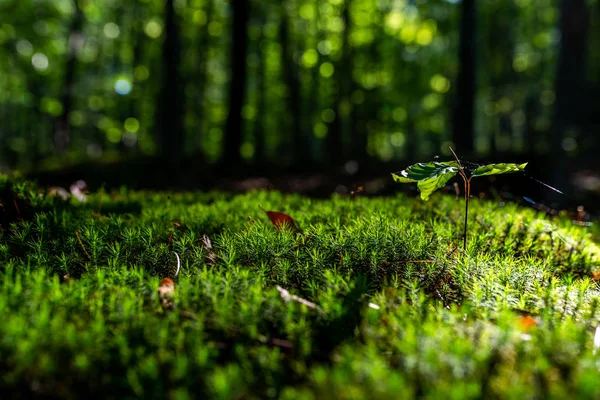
(280, 219)
(596, 275)
(527, 322)
(166, 292)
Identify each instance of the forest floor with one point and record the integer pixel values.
(356, 298)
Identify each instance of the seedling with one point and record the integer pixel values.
(434, 175)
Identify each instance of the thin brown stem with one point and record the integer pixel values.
(82, 246)
(467, 195)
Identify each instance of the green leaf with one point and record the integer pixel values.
(497, 169)
(429, 176)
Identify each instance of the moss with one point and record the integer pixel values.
(400, 309)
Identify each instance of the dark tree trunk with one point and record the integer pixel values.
(259, 122)
(202, 49)
(574, 20)
(300, 150)
(335, 144)
(462, 127)
(237, 83)
(61, 135)
(170, 113)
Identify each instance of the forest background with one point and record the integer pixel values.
(301, 84)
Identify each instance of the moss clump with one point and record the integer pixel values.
(395, 307)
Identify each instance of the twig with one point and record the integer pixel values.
(287, 296)
(178, 264)
(82, 246)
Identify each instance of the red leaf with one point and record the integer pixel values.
(280, 219)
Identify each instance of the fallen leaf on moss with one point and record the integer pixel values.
(280, 220)
(166, 292)
(527, 322)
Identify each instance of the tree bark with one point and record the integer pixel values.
(237, 83)
(334, 143)
(170, 112)
(574, 21)
(463, 121)
(300, 146)
(62, 133)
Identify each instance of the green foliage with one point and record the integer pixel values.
(400, 311)
(497, 169)
(429, 176)
(434, 175)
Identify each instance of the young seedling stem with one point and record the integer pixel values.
(434, 175)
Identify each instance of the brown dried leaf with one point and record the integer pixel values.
(527, 322)
(280, 220)
(166, 291)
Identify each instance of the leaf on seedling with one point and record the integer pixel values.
(166, 291)
(429, 176)
(287, 297)
(498, 169)
(280, 220)
(211, 257)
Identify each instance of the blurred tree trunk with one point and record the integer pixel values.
(574, 21)
(61, 135)
(237, 83)
(335, 142)
(463, 121)
(170, 112)
(259, 122)
(201, 78)
(300, 147)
